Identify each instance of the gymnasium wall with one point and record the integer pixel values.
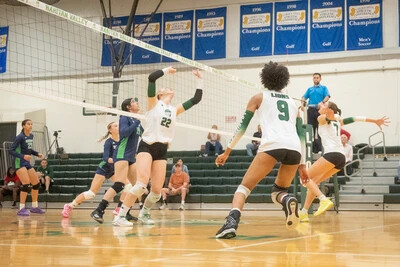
(361, 82)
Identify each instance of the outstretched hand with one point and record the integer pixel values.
(382, 121)
(197, 73)
(171, 70)
(221, 159)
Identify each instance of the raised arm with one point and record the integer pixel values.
(253, 104)
(382, 121)
(197, 95)
(151, 88)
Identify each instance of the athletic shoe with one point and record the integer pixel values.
(116, 211)
(228, 230)
(182, 207)
(37, 210)
(121, 221)
(290, 206)
(97, 216)
(66, 211)
(324, 205)
(23, 212)
(304, 216)
(145, 218)
(140, 206)
(163, 206)
(129, 217)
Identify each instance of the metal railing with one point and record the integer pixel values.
(359, 160)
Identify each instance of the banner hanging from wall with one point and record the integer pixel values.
(327, 26)
(178, 34)
(152, 35)
(290, 27)
(3, 48)
(210, 41)
(364, 29)
(118, 24)
(256, 30)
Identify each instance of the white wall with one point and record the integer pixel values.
(360, 82)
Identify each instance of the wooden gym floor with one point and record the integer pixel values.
(187, 239)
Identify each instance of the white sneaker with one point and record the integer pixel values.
(121, 221)
(182, 207)
(163, 206)
(145, 218)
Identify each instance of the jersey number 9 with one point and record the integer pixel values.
(284, 109)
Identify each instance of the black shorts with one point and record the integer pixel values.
(158, 151)
(336, 158)
(285, 156)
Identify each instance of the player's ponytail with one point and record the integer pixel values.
(107, 134)
(334, 107)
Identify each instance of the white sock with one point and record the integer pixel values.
(123, 211)
(34, 204)
(183, 202)
(322, 197)
(303, 210)
(21, 206)
(73, 204)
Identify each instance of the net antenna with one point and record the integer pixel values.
(118, 60)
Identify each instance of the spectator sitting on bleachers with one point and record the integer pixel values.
(213, 143)
(184, 167)
(11, 186)
(45, 174)
(178, 184)
(348, 150)
(253, 146)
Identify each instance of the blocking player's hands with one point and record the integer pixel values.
(197, 73)
(221, 159)
(304, 179)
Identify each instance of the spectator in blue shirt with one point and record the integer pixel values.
(316, 95)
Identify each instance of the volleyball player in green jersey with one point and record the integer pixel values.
(280, 142)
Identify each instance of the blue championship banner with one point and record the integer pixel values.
(327, 26)
(118, 24)
(364, 30)
(3, 48)
(178, 34)
(210, 33)
(152, 35)
(290, 27)
(256, 30)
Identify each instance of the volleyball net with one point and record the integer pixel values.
(56, 55)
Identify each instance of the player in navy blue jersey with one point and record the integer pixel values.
(104, 171)
(22, 151)
(124, 158)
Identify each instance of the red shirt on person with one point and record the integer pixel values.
(13, 179)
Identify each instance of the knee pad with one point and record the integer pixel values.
(89, 194)
(25, 188)
(244, 190)
(277, 192)
(128, 187)
(36, 186)
(118, 187)
(153, 198)
(138, 189)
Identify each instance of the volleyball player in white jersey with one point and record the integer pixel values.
(159, 128)
(333, 159)
(279, 143)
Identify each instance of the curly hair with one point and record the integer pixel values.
(274, 77)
